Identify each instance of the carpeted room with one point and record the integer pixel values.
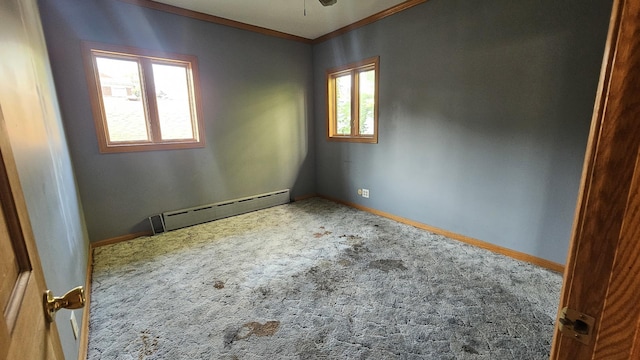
(316, 280)
(484, 115)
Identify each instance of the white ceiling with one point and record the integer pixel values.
(288, 16)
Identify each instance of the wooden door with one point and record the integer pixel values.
(24, 332)
(602, 276)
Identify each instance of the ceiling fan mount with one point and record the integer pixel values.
(327, 2)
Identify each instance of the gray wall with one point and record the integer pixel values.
(485, 109)
(33, 122)
(484, 115)
(256, 93)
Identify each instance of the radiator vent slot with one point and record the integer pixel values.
(172, 220)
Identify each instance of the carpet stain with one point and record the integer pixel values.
(470, 350)
(263, 291)
(319, 235)
(345, 262)
(267, 329)
(387, 265)
(322, 278)
(251, 328)
(229, 336)
(311, 348)
(352, 237)
(218, 285)
(357, 248)
(149, 344)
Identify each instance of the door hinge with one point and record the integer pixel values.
(576, 325)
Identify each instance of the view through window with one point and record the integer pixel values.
(352, 102)
(143, 101)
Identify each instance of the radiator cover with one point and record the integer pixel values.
(176, 219)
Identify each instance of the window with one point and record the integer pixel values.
(352, 102)
(143, 100)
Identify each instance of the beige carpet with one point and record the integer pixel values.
(316, 280)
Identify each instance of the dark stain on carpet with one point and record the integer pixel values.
(470, 350)
(344, 262)
(387, 265)
(149, 344)
(322, 278)
(229, 336)
(310, 348)
(357, 249)
(351, 237)
(264, 291)
(251, 328)
(218, 285)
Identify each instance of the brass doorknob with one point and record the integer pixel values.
(74, 299)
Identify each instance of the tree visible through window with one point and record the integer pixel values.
(142, 100)
(352, 102)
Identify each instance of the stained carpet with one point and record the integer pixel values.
(316, 280)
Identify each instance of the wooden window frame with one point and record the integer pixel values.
(354, 70)
(145, 58)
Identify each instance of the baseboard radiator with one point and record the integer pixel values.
(177, 219)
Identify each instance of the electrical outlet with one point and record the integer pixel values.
(365, 193)
(74, 325)
(359, 191)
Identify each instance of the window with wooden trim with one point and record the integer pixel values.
(143, 100)
(352, 102)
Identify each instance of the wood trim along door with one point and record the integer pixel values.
(602, 276)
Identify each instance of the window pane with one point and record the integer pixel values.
(343, 105)
(121, 96)
(367, 99)
(174, 105)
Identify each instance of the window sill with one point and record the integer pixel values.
(150, 147)
(355, 139)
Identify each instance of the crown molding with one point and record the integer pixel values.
(261, 30)
(215, 19)
(368, 20)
